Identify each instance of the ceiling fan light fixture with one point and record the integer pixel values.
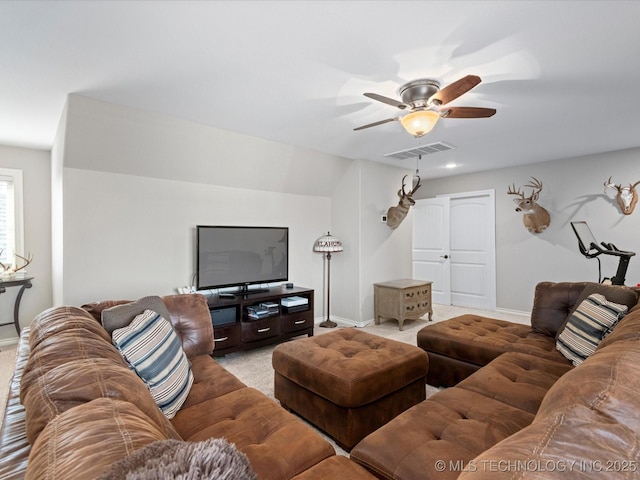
(420, 123)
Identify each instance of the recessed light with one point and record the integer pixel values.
(451, 165)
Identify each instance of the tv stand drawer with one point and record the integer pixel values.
(259, 329)
(227, 336)
(297, 321)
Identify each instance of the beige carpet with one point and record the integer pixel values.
(254, 367)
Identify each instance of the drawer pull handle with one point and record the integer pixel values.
(299, 322)
(223, 339)
(262, 330)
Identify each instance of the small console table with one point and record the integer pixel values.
(23, 283)
(235, 330)
(401, 299)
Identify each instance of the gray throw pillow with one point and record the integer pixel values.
(121, 315)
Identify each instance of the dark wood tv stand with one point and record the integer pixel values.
(235, 331)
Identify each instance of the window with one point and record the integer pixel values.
(11, 229)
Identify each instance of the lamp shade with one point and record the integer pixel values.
(327, 243)
(420, 123)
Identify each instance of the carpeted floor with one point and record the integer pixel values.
(254, 367)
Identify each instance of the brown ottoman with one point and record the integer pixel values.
(348, 382)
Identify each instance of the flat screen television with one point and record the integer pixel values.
(229, 256)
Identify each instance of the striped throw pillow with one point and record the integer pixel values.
(153, 350)
(594, 319)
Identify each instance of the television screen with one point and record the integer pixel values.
(241, 256)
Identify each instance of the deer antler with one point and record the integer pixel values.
(512, 191)
(535, 184)
(13, 269)
(4, 267)
(27, 261)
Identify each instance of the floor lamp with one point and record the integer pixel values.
(328, 244)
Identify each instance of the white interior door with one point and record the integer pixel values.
(472, 250)
(454, 247)
(430, 255)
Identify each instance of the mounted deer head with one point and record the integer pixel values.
(11, 269)
(536, 219)
(395, 215)
(627, 197)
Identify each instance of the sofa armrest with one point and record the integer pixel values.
(552, 304)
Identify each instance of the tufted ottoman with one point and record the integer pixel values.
(460, 346)
(348, 382)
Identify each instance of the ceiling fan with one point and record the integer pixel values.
(425, 101)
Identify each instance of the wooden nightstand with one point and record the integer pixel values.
(402, 299)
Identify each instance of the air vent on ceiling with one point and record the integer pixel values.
(422, 150)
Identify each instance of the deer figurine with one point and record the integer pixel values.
(536, 218)
(9, 270)
(395, 215)
(627, 197)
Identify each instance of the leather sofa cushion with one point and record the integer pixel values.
(552, 304)
(85, 441)
(454, 426)
(517, 379)
(607, 382)
(62, 335)
(478, 340)
(80, 381)
(336, 467)
(210, 380)
(349, 367)
(277, 444)
(574, 442)
(55, 320)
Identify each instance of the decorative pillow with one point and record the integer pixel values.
(592, 320)
(213, 459)
(613, 293)
(121, 315)
(154, 352)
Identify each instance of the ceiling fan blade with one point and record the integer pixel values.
(454, 90)
(387, 100)
(467, 112)
(374, 124)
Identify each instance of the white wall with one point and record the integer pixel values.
(385, 253)
(128, 236)
(136, 183)
(572, 190)
(35, 165)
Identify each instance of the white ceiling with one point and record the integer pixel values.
(563, 75)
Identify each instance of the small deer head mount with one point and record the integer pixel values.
(9, 270)
(536, 218)
(627, 197)
(395, 215)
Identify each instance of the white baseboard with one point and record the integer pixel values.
(5, 342)
(526, 316)
(344, 322)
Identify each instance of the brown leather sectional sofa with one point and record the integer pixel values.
(517, 407)
(75, 408)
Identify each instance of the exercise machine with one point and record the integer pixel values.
(590, 248)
